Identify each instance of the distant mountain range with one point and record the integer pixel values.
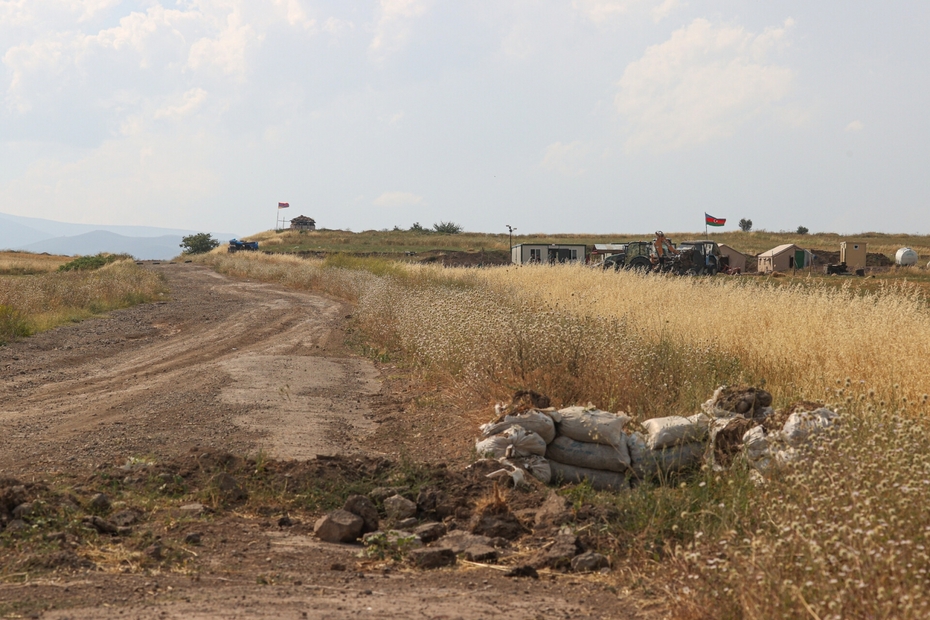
(144, 242)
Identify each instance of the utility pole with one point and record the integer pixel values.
(510, 230)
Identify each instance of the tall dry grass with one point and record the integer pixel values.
(28, 263)
(843, 533)
(39, 302)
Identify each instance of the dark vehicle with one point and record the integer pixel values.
(636, 255)
(699, 257)
(235, 245)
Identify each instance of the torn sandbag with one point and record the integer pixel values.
(516, 441)
(599, 479)
(802, 424)
(591, 455)
(750, 402)
(593, 425)
(534, 421)
(536, 466)
(671, 431)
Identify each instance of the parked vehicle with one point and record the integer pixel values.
(235, 245)
(699, 257)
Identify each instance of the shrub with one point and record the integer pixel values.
(87, 263)
(201, 243)
(418, 229)
(13, 324)
(447, 228)
(745, 225)
(802, 230)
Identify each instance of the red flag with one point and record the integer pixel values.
(283, 205)
(710, 220)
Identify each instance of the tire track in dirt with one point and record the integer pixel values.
(234, 364)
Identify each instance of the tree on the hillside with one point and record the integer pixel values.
(802, 230)
(745, 225)
(417, 228)
(447, 228)
(199, 243)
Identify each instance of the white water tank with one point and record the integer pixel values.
(905, 257)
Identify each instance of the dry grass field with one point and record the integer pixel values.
(27, 263)
(843, 535)
(33, 303)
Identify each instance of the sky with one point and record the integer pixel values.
(576, 116)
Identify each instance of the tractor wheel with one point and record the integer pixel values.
(640, 263)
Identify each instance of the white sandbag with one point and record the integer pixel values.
(755, 444)
(534, 421)
(591, 455)
(516, 441)
(702, 419)
(671, 431)
(593, 425)
(647, 464)
(536, 466)
(600, 480)
(802, 424)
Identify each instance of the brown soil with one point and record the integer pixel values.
(161, 405)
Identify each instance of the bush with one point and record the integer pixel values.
(201, 243)
(418, 229)
(802, 230)
(447, 228)
(745, 225)
(13, 324)
(86, 263)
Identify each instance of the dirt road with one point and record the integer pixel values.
(241, 366)
(224, 366)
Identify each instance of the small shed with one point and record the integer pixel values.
(853, 254)
(783, 258)
(526, 253)
(302, 222)
(734, 259)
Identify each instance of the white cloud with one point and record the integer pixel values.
(397, 199)
(602, 10)
(567, 159)
(190, 101)
(295, 14)
(701, 85)
(854, 127)
(664, 10)
(395, 24)
(227, 50)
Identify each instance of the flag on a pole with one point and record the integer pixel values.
(283, 205)
(710, 220)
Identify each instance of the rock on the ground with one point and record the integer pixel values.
(431, 557)
(101, 525)
(99, 502)
(504, 525)
(379, 494)
(363, 507)
(23, 511)
(428, 532)
(407, 524)
(192, 510)
(458, 541)
(125, 518)
(561, 553)
(553, 512)
(398, 507)
(339, 526)
(481, 553)
(589, 562)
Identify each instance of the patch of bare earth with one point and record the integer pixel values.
(149, 406)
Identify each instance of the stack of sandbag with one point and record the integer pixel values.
(519, 441)
(668, 444)
(752, 403)
(591, 445)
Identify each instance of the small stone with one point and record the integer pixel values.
(123, 530)
(125, 517)
(100, 524)
(379, 494)
(505, 525)
(589, 562)
(23, 511)
(99, 502)
(337, 566)
(398, 508)
(193, 538)
(407, 524)
(481, 553)
(285, 521)
(192, 510)
(459, 540)
(553, 512)
(561, 553)
(428, 532)
(339, 526)
(429, 558)
(16, 525)
(363, 507)
(522, 571)
(155, 551)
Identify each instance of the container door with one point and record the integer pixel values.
(799, 259)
